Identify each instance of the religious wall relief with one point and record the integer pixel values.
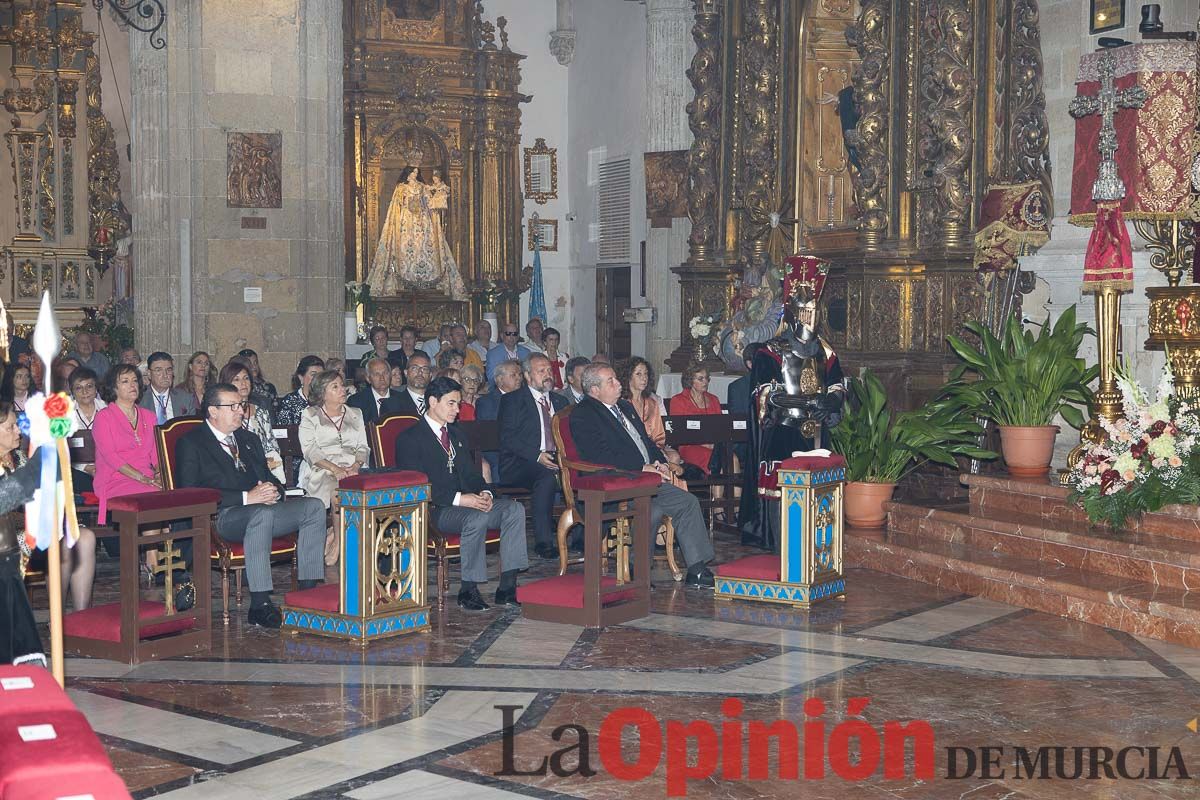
(254, 170)
(666, 187)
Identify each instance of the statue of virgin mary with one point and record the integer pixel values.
(412, 252)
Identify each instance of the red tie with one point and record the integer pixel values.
(547, 431)
(445, 438)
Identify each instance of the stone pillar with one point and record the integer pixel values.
(273, 67)
(154, 248)
(669, 50)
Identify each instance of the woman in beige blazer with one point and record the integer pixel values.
(333, 439)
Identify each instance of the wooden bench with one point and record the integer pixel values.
(728, 429)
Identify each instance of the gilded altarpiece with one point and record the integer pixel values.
(945, 100)
(62, 182)
(433, 85)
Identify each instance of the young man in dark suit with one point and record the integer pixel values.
(572, 390)
(223, 455)
(410, 401)
(379, 400)
(607, 430)
(461, 502)
(527, 450)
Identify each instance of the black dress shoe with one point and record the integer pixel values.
(548, 551)
(701, 578)
(507, 597)
(267, 616)
(470, 600)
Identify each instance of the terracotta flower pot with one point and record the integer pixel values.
(864, 503)
(1028, 451)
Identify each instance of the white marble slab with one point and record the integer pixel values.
(902, 651)
(455, 718)
(199, 738)
(938, 622)
(421, 785)
(533, 643)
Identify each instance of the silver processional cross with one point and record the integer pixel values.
(1106, 102)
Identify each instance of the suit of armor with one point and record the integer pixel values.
(798, 397)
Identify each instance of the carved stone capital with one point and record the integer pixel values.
(562, 45)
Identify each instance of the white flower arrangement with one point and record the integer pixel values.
(701, 326)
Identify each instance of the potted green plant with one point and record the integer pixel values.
(881, 447)
(1023, 382)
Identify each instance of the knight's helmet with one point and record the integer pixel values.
(802, 287)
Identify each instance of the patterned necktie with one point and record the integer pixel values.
(379, 407)
(633, 434)
(160, 404)
(231, 446)
(420, 405)
(547, 430)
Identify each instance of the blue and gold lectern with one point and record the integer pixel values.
(808, 567)
(382, 522)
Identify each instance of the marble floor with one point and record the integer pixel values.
(264, 715)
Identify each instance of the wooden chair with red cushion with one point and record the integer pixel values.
(225, 556)
(134, 630)
(571, 468)
(442, 547)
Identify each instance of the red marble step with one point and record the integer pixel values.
(990, 494)
(1147, 557)
(1136, 607)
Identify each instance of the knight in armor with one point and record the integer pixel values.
(798, 397)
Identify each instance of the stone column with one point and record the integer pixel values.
(154, 248)
(669, 50)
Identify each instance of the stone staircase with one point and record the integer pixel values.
(1023, 543)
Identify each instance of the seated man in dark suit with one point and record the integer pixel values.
(487, 406)
(223, 455)
(379, 400)
(607, 430)
(410, 401)
(527, 446)
(461, 502)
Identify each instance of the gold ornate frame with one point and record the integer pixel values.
(541, 149)
(536, 221)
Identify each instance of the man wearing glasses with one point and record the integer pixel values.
(223, 455)
(410, 401)
(507, 350)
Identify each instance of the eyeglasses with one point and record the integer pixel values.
(510, 333)
(227, 405)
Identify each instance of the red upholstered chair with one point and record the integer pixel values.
(134, 630)
(442, 547)
(571, 469)
(225, 556)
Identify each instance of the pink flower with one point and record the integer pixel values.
(1129, 475)
(1175, 461)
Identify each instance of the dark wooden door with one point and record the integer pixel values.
(613, 296)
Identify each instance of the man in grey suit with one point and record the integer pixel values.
(573, 375)
(162, 398)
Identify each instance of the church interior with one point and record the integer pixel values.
(891, 302)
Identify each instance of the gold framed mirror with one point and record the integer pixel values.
(546, 230)
(541, 172)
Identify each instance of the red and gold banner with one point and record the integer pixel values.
(1154, 152)
(1108, 263)
(1012, 223)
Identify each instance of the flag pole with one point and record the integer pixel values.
(46, 344)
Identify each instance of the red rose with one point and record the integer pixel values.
(56, 405)
(1139, 448)
(1156, 430)
(1107, 478)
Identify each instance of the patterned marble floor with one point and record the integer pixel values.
(264, 716)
